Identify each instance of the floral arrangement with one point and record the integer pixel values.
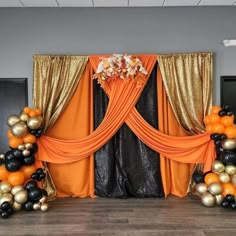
(120, 66)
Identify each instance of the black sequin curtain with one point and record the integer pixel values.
(125, 167)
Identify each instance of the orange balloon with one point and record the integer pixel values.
(14, 142)
(207, 120)
(209, 128)
(230, 132)
(29, 138)
(214, 118)
(9, 134)
(228, 188)
(227, 120)
(218, 128)
(16, 178)
(38, 111)
(32, 113)
(215, 109)
(27, 110)
(28, 171)
(211, 178)
(3, 173)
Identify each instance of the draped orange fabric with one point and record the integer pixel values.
(175, 175)
(123, 97)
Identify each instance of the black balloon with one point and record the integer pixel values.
(233, 205)
(227, 107)
(229, 198)
(35, 194)
(33, 131)
(34, 148)
(5, 214)
(217, 143)
(229, 113)
(198, 177)
(228, 157)
(42, 176)
(39, 132)
(2, 162)
(225, 204)
(13, 165)
(39, 171)
(44, 192)
(35, 176)
(215, 136)
(5, 206)
(31, 184)
(223, 136)
(9, 155)
(17, 153)
(222, 113)
(29, 160)
(28, 206)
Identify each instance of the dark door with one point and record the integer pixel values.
(13, 97)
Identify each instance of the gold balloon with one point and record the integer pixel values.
(44, 207)
(19, 129)
(21, 196)
(16, 206)
(36, 206)
(233, 180)
(218, 167)
(224, 177)
(43, 199)
(35, 122)
(28, 145)
(16, 189)
(208, 200)
(219, 199)
(2, 156)
(201, 188)
(228, 144)
(11, 120)
(215, 188)
(21, 147)
(5, 187)
(6, 197)
(25, 152)
(230, 169)
(24, 117)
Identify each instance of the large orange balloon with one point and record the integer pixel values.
(209, 128)
(215, 109)
(227, 120)
(214, 118)
(230, 132)
(9, 134)
(38, 111)
(29, 138)
(228, 188)
(27, 110)
(28, 171)
(211, 178)
(16, 178)
(207, 120)
(3, 173)
(14, 142)
(218, 128)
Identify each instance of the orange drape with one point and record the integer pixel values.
(123, 97)
(76, 121)
(175, 175)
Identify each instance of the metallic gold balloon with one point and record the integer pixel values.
(24, 117)
(2, 156)
(11, 120)
(215, 189)
(208, 200)
(233, 180)
(6, 197)
(5, 187)
(26, 152)
(16, 206)
(44, 207)
(228, 144)
(43, 199)
(35, 122)
(201, 188)
(218, 167)
(21, 196)
(28, 145)
(19, 129)
(21, 147)
(230, 169)
(36, 206)
(16, 189)
(219, 199)
(224, 177)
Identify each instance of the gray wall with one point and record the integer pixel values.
(83, 31)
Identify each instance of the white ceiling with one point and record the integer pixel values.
(114, 3)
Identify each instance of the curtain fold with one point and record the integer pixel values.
(187, 79)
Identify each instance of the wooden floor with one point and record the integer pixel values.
(106, 217)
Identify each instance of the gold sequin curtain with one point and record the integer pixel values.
(55, 81)
(187, 79)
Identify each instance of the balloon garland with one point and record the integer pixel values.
(19, 178)
(218, 186)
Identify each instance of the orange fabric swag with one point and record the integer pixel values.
(121, 108)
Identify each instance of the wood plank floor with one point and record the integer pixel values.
(123, 217)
